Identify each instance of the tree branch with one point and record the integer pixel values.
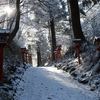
(14, 32)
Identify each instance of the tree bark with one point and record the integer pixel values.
(53, 37)
(13, 33)
(77, 30)
(38, 57)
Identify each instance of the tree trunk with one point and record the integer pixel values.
(77, 30)
(38, 57)
(13, 33)
(53, 37)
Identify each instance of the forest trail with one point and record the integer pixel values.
(48, 83)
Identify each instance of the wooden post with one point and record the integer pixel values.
(23, 50)
(26, 55)
(1, 60)
(97, 39)
(3, 41)
(77, 44)
(30, 58)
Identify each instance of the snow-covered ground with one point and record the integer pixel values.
(48, 83)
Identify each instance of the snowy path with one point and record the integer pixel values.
(48, 83)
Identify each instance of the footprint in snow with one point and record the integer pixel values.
(49, 98)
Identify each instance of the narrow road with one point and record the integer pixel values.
(48, 83)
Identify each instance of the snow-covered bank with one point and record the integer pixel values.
(88, 72)
(12, 73)
(48, 83)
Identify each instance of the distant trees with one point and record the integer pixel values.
(51, 11)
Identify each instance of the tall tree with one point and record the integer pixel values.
(77, 30)
(53, 36)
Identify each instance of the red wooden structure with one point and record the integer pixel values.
(4, 34)
(97, 39)
(77, 44)
(42, 61)
(57, 53)
(30, 58)
(23, 51)
(26, 54)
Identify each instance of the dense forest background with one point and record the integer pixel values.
(45, 23)
(42, 24)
